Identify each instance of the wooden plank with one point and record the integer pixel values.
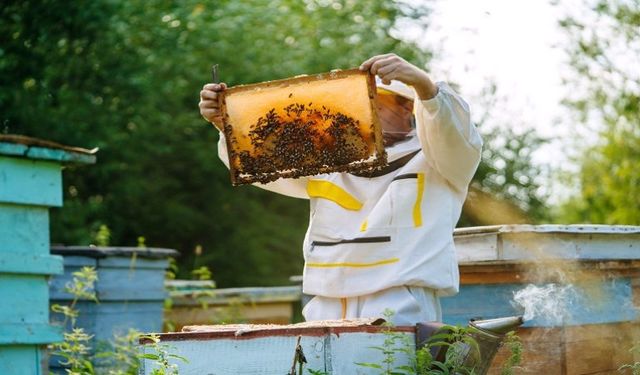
(476, 247)
(589, 349)
(263, 355)
(605, 301)
(596, 243)
(28, 333)
(135, 284)
(28, 263)
(542, 352)
(20, 360)
(474, 278)
(608, 246)
(31, 182)
(237, 295)
(599, 348)
(28, 296)
(24, 228)
(115, 283)
(35, 148)
(104, 320)
(60, 155)
(479, 302)
(534, 272)
(137, 262)
(588, 356)
(260, 313)
(540, 246)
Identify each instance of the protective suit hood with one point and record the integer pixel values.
(397, 88)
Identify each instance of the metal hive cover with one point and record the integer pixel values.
(302, 126)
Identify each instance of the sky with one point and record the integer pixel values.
(517, 45)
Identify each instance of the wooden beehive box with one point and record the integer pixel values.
(329, 347)
(302, 126)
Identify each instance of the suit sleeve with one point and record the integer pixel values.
(296, 188)
(449, 139)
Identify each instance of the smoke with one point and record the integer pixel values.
(550, 303)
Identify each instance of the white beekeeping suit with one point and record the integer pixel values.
(386, 242)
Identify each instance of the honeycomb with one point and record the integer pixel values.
(302, 126)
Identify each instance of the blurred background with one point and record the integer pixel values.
(554, 88)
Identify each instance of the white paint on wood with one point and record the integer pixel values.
(536, 242)
(332, 353)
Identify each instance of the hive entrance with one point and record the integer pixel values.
(302, 126)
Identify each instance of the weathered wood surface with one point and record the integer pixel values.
(576, 350)
(30, 183)
(252, 305)
(41, 149)
(545, 242)
(130, 290)
(334, 350)
(604, 301)
(258, 313)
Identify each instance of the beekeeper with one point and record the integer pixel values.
(384, 240)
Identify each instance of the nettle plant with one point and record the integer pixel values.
(118, 357)
(458, 342)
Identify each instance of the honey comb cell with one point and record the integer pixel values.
(302, 126)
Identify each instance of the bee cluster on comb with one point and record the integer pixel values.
(302, 126)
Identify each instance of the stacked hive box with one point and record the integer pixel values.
(30, 183)
(591, 274)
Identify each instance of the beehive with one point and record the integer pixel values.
(30, 183)
(302, 126)
(329, 347)
(594, 326)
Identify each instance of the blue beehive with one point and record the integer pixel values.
(581, 282)
(130, 288)
(30, 183)
(498, 261)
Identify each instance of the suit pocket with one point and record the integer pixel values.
(359, 252)
(407, 193)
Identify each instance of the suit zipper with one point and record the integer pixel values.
(363, 240)
(405, 176)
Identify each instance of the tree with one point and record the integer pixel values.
(605, 45)
(125, 75)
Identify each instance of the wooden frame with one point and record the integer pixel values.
(239, 158)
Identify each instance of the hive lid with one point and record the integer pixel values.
(511, 243)
(243, 328)
(312, 328)
(35, 148)
(302, 126)
(109, 251)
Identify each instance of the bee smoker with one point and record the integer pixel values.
(487, 334)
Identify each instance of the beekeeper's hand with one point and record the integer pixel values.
(209, 108)
(393, 67)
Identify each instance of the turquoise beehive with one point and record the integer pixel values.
(30, 183)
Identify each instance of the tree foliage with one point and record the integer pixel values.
(507, 188)
(605, 45)
(124, 76)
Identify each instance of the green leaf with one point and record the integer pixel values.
(369, 365)
(153, 357)
(178, 357)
